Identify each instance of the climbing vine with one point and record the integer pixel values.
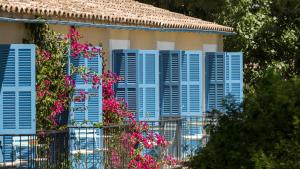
(54, 88)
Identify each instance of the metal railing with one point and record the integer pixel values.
(87, 147)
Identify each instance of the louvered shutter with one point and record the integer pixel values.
(191, 83)
(224, 76)
(125, 65)
(215, 76)
(17, 89)
(89, 109)
(148, 85)
(234, 75)
(169, 83)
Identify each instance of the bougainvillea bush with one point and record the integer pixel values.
(54, 88)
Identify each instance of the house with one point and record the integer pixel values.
(173, 65)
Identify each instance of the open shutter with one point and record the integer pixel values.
(17, 89)
(215, 76)
(234, 75)
(224, 72)
(125, 65)
(89, 109)
(169, 83)
(191, 83)
(148, 85)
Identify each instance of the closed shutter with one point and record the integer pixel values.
(90, 108)
(215, 76)
(169, 83)
(234, 75)
(17, 89)
(125, 65)
(191, 83)
(148, 85)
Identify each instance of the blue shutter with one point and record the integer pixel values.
(191, 83)
(125, 65)
(224, 72)
(169, 68)
(234, 75)
(17, 89)
(215, 76)
(89, 109)
(148, 86)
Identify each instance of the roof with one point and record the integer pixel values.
(113, 12)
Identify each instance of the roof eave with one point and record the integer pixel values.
(112, 26)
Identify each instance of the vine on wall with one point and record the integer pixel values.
(54, 88)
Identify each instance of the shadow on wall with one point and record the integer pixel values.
(4, 53)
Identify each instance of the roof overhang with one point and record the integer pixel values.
(112, 26)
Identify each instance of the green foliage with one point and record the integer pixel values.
(264, 136)
(50, 67)
(268, 31)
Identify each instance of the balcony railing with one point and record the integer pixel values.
(92, 147)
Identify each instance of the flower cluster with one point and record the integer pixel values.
(136, 141)
(52, 88)
(138, 138)
(78, 49)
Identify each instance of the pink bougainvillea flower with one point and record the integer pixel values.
(46, 55)
(147, 143)
(160, 140)
(69, 81)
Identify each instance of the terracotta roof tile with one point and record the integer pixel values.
(124, 12)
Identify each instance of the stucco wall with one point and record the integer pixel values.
(136, 39)
(16, 32)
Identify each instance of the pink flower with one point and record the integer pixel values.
(160, 140)
(147, 143)
(46, 55)
(47, 82)
(69, 81)
(41, 94)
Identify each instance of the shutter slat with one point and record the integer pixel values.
(150, 101)
(184, 99)
(131, 68)
(131, 99)
(150, 69)
(234, 75)
(175, 100)
(166, 101)
(77, 62)
(25, 116)
(141, 103)
(215, 72)
(7, 59)
(9, 110)
(169, 82)
(24, 67)
(79, 107)
(125, 65)
(93, 105)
